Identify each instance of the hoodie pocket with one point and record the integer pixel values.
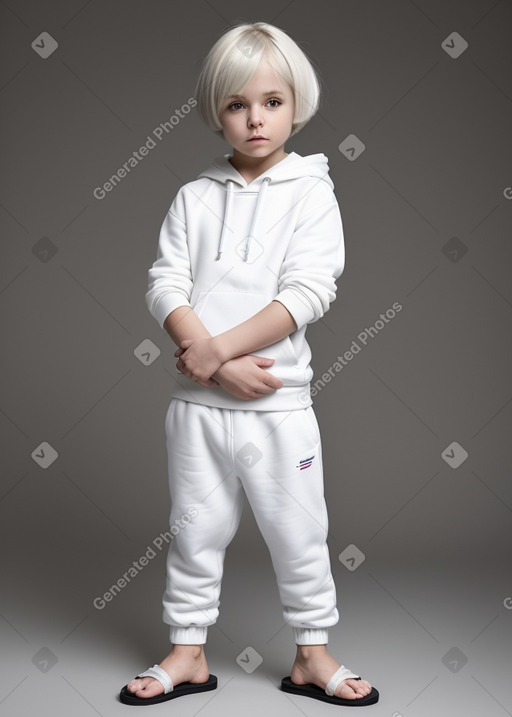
(222, 310)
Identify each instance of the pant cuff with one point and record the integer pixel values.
(188, 635)
(310, 636)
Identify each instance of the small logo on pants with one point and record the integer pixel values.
(305, 462)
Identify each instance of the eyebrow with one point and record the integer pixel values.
(264, 94)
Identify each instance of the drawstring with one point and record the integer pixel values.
(229, 197)
(261, 193)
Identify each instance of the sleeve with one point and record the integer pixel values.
(314, 260)
(170, 277)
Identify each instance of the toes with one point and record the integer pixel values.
(346, 691)
(364, 687)
(345, 694)
(145, 687)
(152, 688)
(133, 686)
(358, 689)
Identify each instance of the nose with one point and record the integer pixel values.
(255, 118)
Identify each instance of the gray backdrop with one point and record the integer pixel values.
(415, 120)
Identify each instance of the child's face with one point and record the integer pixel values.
(266, 108)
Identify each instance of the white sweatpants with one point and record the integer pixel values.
(275, 458)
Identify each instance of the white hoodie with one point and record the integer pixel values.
(228, 248)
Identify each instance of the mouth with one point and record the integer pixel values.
(257, 139)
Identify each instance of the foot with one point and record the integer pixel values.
(313, 664)
(185, 663)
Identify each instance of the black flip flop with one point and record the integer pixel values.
(184, 688)
(311, 690)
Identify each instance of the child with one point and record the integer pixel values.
(248, 255)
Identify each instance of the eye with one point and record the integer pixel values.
(232, 105)
(274, 100)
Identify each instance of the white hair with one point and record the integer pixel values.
(235, 57)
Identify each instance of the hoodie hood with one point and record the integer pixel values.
(291, 167)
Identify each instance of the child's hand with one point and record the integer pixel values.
(209, 383)
(197, 359)
(245, 377)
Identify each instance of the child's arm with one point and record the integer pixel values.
(269, 325)
(184, 322)
(244, 377)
